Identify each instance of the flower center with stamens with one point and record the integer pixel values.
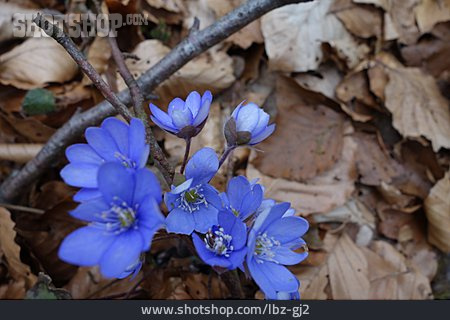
(125, 161)
(192, 199)
(264, 248)
(119, 217)
(218, 241)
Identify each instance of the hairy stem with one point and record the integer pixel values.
(186, 155)
(225, 154)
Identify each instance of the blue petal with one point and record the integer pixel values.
(101, 141)
(119, 132)
(139, 150)
(82, 152)
(85, 246)
(150, 219)
(279, 276)
(248, 117)
(261, 279)
(90, 210)
(115, 181)
(121, 254)
(262, 123)
(288, 257)
(252, 201)
(204, 109)
(205, 218)
(193, 102)
(212, 196)
(236, 189)
(202, 166)
(176, 103)
(237, 258)
(208, 256)
(266, 218)
(161, 117)
(80, 175)
(146, 185)
(85, 194)
(172, 198)
(182, 118)
(180, 221)
(288, 229)
(234, 227)
(263, 135)
(163, 125)
(236, 110)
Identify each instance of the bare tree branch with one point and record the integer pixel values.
(65, 41)
(196, 43)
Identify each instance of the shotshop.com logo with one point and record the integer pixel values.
(76, 25)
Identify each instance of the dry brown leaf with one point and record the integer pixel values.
(417, 106)
(430, 12)
(245, 36)
(348, 270)
(19, 152)
(11, 250)
(437, 208)
(30, 128)
(35, 63)
(169, 5)
(304, 28)
(9, 15)
(362, 21)
(392, 277)
(324, 192)
(210, 71)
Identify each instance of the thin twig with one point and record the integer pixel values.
(184, 52)
(65, 41)
(22, 208)
(186, 155)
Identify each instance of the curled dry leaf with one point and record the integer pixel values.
(169, 5)
(437, 208)
(10, 12)
(11, 250)
(35, 63)
(430, 12)
(29, 127)
(209, 71)
(304, 28)
(417, 106)
(98, 55)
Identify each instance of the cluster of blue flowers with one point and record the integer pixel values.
(120, 201)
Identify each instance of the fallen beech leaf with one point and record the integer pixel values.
(98, 55)
(11, 250)
(245, 36)
(430, 12)
(348, 270)
(305, 27)
(169, 5)
(210, 71)
(10, 11)
(29, 127)
(324, 192)
(417, 107)
(35, 63)
(437, 208)
(362, 21)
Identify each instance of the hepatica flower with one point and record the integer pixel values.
(122, 222)
(184, 119)
(224, 244)
(271, 244)
(114, 141)
(242, 197)
(194, 204)
(249, 124)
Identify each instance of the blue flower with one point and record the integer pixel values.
(224, 244)
(114, 141)
(184, 119)
(248, 125)
(194, 204)
(242, 197)
(122, 222)
(271, 242)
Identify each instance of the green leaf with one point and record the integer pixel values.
(43, 289)
(38, 101)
